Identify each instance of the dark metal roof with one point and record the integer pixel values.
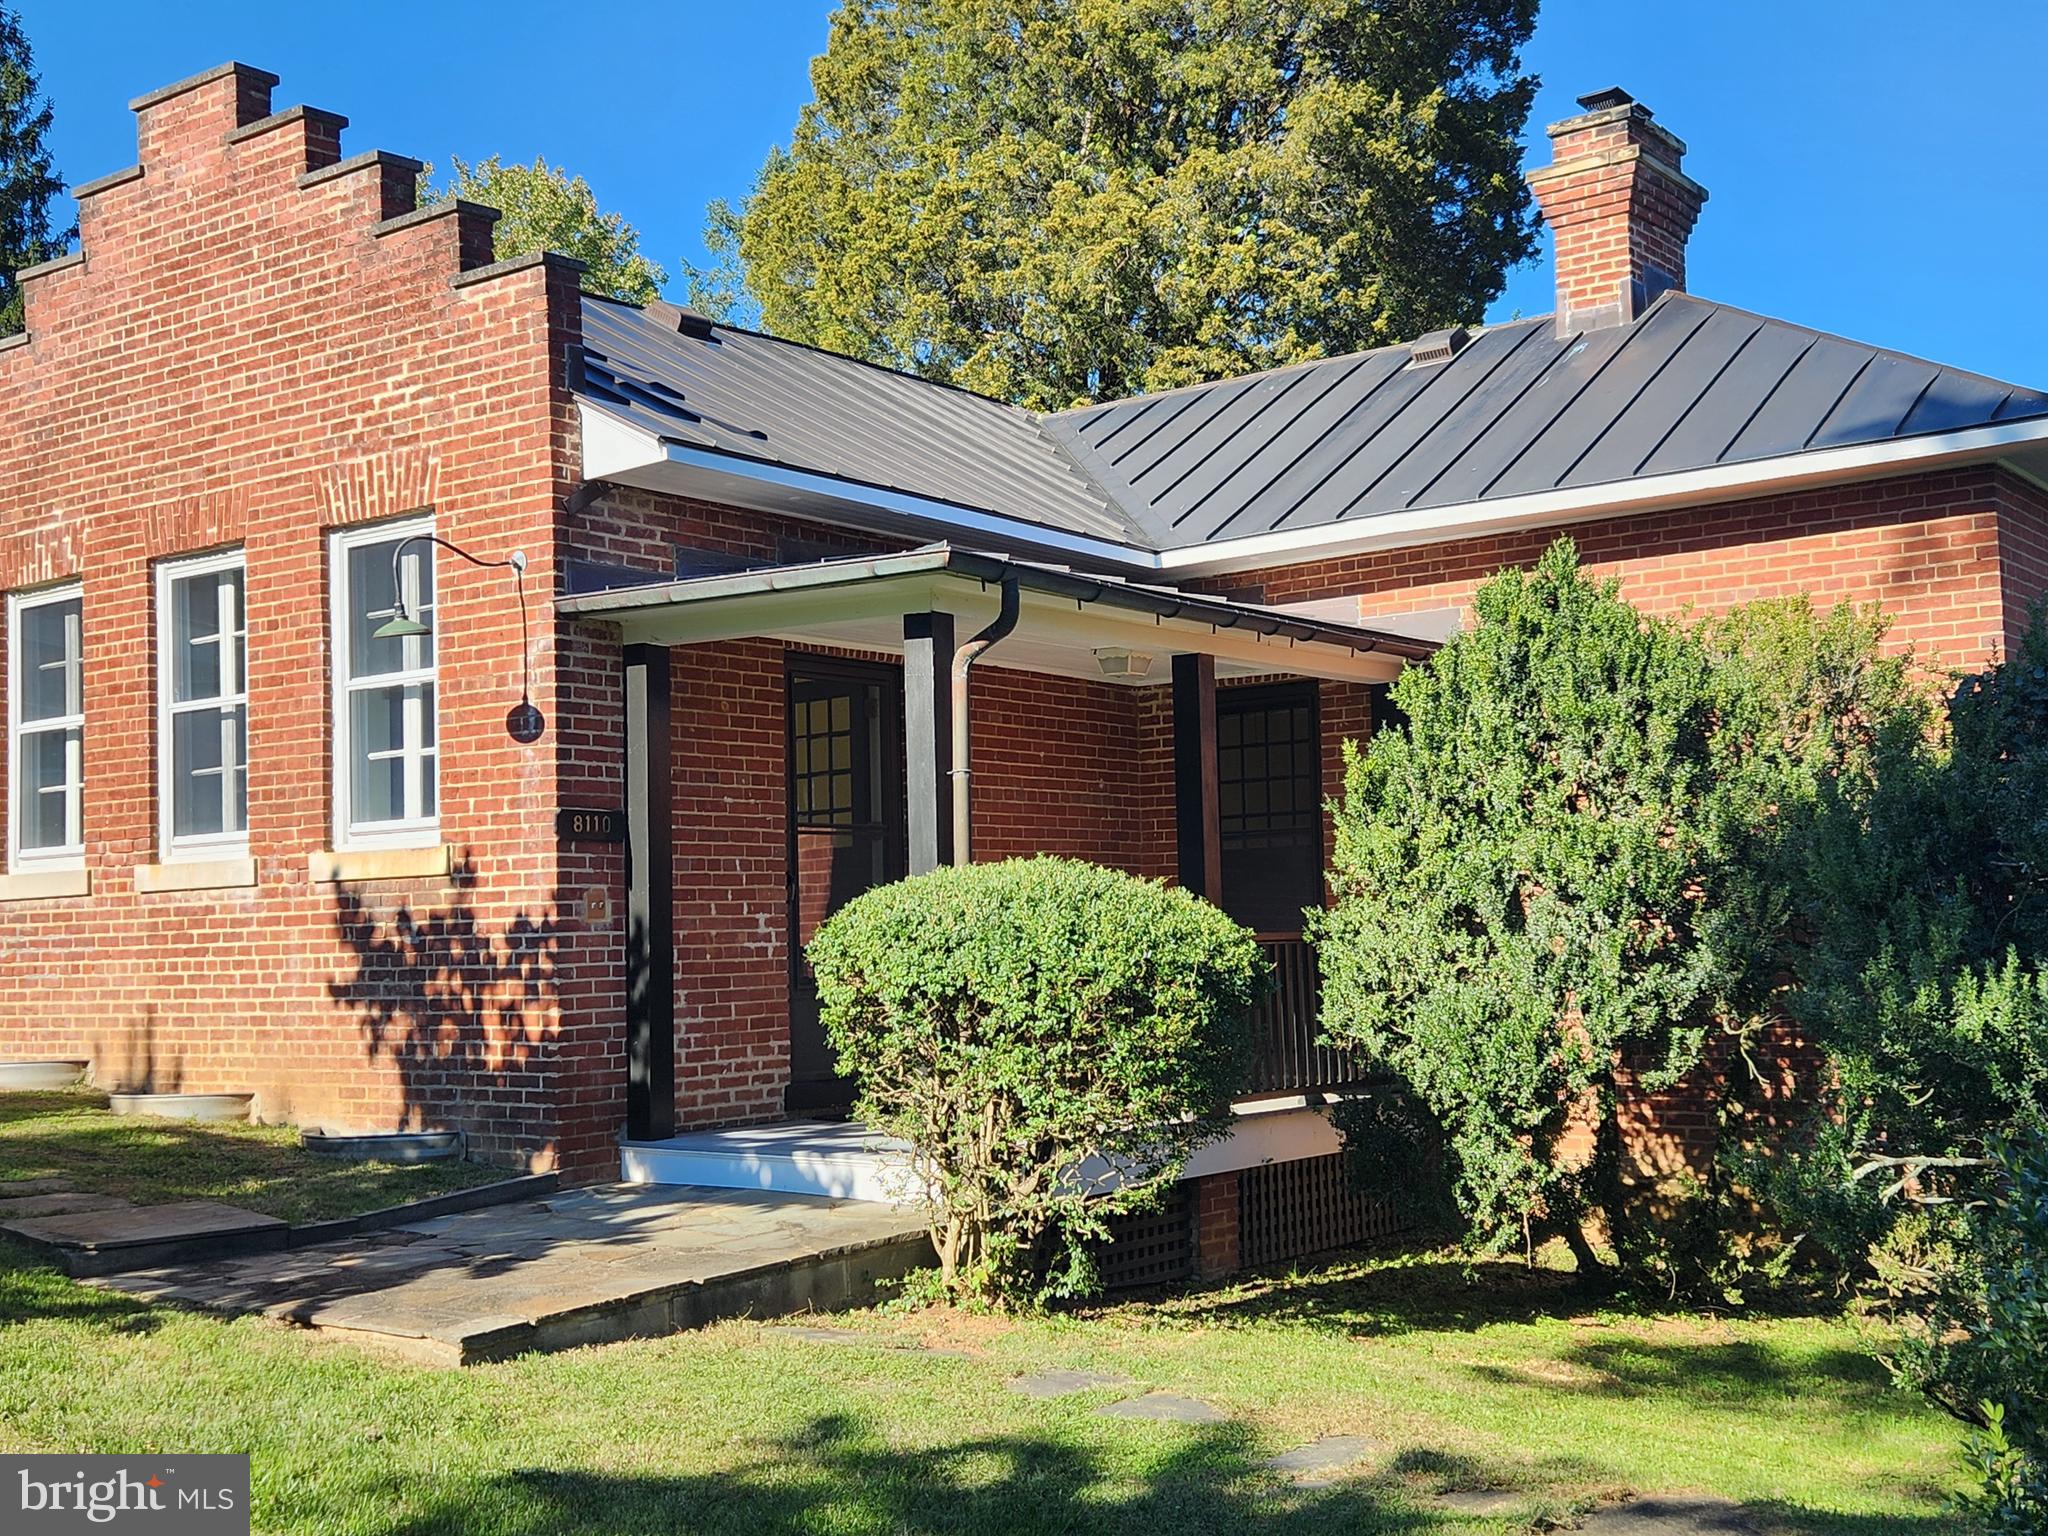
(1690, 385)
(1517, 409)
(751, 396)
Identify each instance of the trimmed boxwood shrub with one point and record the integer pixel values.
(1051, 1038)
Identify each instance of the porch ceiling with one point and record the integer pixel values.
(1064, 618)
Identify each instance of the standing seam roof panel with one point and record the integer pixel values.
(1650, 345)
(1689, 385)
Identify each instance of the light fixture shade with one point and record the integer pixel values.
(1116, 662)
(398, 626)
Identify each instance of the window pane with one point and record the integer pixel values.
(372, 600)
(205, 661)
(209, 794)
(378, 736)
(44, 790)
(376, 729)
(196, 774)
(423, 693)
(49, 660)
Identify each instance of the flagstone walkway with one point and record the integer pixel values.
(587, 1266)
(1328, 1460)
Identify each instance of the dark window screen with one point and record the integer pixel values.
(1269, 801)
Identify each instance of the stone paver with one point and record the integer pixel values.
(586, 1266)
(1166, 1407)
(131, 1226)
(1670, 1515)
(810, 1335)
(15, 1207)
(1481, 1501)
(1059, 1383)
(51, 1184)
(1317, 1464)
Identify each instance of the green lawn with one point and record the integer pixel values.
(1504, 1382)
(70, 1134)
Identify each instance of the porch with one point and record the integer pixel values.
(795, 734)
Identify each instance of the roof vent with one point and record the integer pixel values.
(1437, 346)
(685, 322)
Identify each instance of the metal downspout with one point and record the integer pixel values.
(963, 662)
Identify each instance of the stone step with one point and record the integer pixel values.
(128, 1237)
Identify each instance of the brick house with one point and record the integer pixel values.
(303, 800)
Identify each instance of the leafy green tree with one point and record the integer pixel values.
(1058, 201)
(1051, 1038)
(547, 209)
(28, 182)
(1564, 877)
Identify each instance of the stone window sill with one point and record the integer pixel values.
(45, 884)
(335, 866)
(195, 875)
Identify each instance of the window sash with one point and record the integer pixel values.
(182, 793)
(29, 735)
(364, 670)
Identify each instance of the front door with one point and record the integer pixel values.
(846, 789)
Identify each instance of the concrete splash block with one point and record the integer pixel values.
(183, 1106)
(27, 1076)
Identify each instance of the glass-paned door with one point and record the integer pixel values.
(1269, 804)
(846, 835)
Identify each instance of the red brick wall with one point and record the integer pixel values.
(2022, 553)
(1927, 548)
(242, 359)
(1218, 1247)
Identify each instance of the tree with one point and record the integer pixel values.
(545, 208)
(1051, 1039)
(28, 182)
(1059, 201)
(1564, 877)
(1922, 1180)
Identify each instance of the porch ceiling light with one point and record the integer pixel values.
(1115, 661)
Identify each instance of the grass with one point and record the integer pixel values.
(1500, 1380)
(68, 1133)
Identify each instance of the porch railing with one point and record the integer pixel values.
(1285, 1055)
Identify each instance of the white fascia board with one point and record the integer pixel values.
(612, 447)
(618, 451)
(1549, 509)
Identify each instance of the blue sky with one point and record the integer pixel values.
(1876, 168)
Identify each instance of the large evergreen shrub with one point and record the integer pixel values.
(1566, 874)
(1051, 1038)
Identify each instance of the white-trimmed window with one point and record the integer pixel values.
(385, 741)
(46, 728)
(202, 703)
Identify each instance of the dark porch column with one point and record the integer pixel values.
(928, 738)
(650, 899)
(1194, 775)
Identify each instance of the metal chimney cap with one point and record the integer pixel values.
(1613, 96)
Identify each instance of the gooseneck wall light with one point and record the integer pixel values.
(524, 722)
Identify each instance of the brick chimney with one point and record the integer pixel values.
(1620, 207)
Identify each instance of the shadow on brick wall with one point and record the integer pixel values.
(134, 1064)
(460, 1008)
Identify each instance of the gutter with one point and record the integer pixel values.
(1161, 603)
(964, 659)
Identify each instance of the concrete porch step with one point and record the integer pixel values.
(838, 1160)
